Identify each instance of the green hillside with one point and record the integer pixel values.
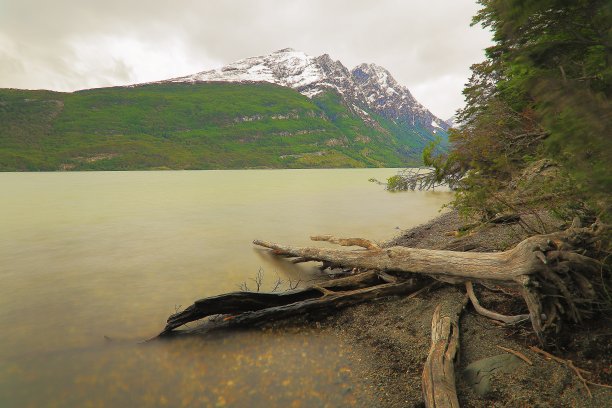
(193, 126)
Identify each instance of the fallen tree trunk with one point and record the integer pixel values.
(438, 384)
(253, 308)
(553, 278)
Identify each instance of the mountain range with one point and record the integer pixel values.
(368, 85)
(282, 110)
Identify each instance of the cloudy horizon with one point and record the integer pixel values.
(68, 45)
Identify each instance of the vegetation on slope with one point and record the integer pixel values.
(191, 126)
(536, 128)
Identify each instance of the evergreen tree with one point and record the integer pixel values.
(543, 92)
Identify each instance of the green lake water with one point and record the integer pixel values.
(94, 254)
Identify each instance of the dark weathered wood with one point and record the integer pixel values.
(438, 382)
(321, 306)
(249, 308)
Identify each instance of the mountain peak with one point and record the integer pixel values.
(372, 67)
(288, 49)
(365, 87)
(376, 74)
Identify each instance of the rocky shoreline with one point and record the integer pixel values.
(388, 340)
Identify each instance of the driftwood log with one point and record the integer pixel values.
(241, 309)
(554, 278)
(439, 371)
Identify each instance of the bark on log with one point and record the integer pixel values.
(493, 266)
(253, 308)
(439, 371)
(544, 267)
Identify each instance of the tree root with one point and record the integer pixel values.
(490, 314)
(516, 353)
(578, 371)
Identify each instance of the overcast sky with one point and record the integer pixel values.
(75, 44)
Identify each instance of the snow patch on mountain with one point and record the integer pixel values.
(286, 67)
(391, 99)
(367, 87)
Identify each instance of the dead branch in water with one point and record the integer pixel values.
(253, 308)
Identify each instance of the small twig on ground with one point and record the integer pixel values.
(570, 364)
(516, 353)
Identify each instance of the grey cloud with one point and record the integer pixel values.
(420, 42)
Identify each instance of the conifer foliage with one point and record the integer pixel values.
(543, 93)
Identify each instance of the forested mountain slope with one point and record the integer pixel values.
(284, 110)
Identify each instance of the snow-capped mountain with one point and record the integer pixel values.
(367, 87)
(384, 95)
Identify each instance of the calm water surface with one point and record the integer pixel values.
(88, 255)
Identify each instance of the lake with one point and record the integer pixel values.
(86, 255)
